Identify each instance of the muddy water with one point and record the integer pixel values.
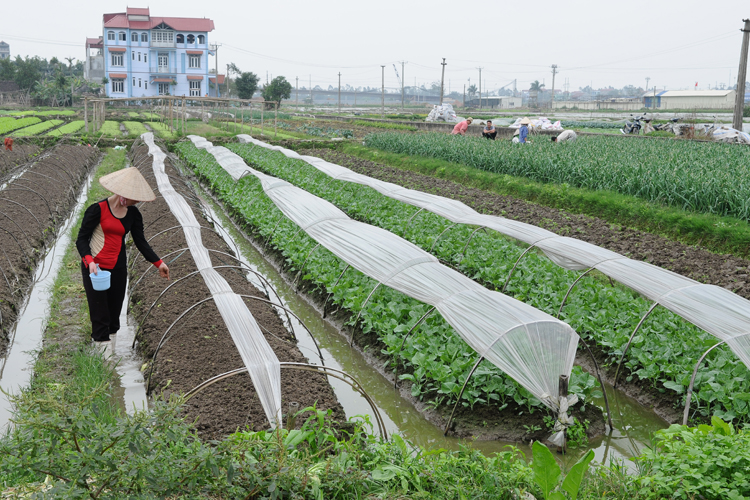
(633, 423)
(26, 338)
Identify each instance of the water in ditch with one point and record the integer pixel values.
(17, 366)
(633, 423)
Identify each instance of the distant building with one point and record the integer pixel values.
(149, 56)
(93, 70)
(499, 102)
(689, 99)
(4, 50)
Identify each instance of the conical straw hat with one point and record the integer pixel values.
(129, 183)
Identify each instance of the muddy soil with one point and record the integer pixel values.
(9, 160)
(695, 262)
(482, 422)
(201, 346)
(32, 208)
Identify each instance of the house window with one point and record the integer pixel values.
(117, 59)
(139, 83)
(191, 39)
(145, 85)
(111, 35)
(139, 57)
(163, 62)
(118, 85)
(195, 88)
(201, 39)
(122, 37)
(133, 54)
(194, 61)
(134, 37)
(144, 57)
(163, 89)
(180, 38)
(133, 81)
(144, 37)
(163, 36)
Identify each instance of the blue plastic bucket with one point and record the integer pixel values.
(100, 282)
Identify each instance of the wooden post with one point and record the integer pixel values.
(86, 113)
(562, 391)
(262, 107)
(275, 117)
(235, 122)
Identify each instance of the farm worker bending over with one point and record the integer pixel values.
(461, 127)
(8, 144)
(567, 135)
(523, 132)
(101, 242)
(489, 131)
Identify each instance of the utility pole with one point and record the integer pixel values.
(554, 72)
(215, 48)
(739, 100)
(311, 97)
(339, 92)
(647, 80)
(442, 81)
(296, 96)
(403, 81)
(464, 95)
(382, 95)
(480, 87)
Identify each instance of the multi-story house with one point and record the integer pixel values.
(150, 56)
(4, 50)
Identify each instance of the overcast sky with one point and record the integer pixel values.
(674, 42)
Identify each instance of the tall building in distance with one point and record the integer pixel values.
(4, 50)
(146, 56)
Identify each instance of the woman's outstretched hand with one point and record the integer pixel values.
(164, 270)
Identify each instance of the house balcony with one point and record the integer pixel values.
(162, 45)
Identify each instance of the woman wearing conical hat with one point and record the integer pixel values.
(101, 243)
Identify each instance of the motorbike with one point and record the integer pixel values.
(671, 126)
(633, 127)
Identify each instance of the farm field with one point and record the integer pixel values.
(68, 128)
(135, 128)
(37, 128)
(656, 359)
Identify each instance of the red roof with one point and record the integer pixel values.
(120, 20)
(95, 43)
(163, 80)
(195, 52)
(118, 75)
(133, 11)
(195, 77)
(116, 49)
(221, 79)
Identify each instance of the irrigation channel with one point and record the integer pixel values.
(37, 202)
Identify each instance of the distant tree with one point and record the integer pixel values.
(471, 91)
(27, 72)
(277, 90)
(7, 69)
(246, 85)
(535, 85)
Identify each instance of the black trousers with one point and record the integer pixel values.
(489, 135)
(105, 306)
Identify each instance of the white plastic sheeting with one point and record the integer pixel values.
(259, 358)
(529, 345)
(716, 310)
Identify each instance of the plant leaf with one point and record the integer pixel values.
(572, 481)
(546, 470)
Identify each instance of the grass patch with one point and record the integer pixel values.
(716, 233)
(393, 126)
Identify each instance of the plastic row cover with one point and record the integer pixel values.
(718, 311)
(259, 358)
(529, 345)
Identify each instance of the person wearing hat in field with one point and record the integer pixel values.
(101, 244)
(461, 127)
(523, 132)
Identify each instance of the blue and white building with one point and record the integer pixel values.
(150, 56)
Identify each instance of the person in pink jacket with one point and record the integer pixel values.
(460, 128)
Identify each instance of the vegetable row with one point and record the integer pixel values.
(663, 353)
(701, 177)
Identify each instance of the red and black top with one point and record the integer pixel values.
(112, 256)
